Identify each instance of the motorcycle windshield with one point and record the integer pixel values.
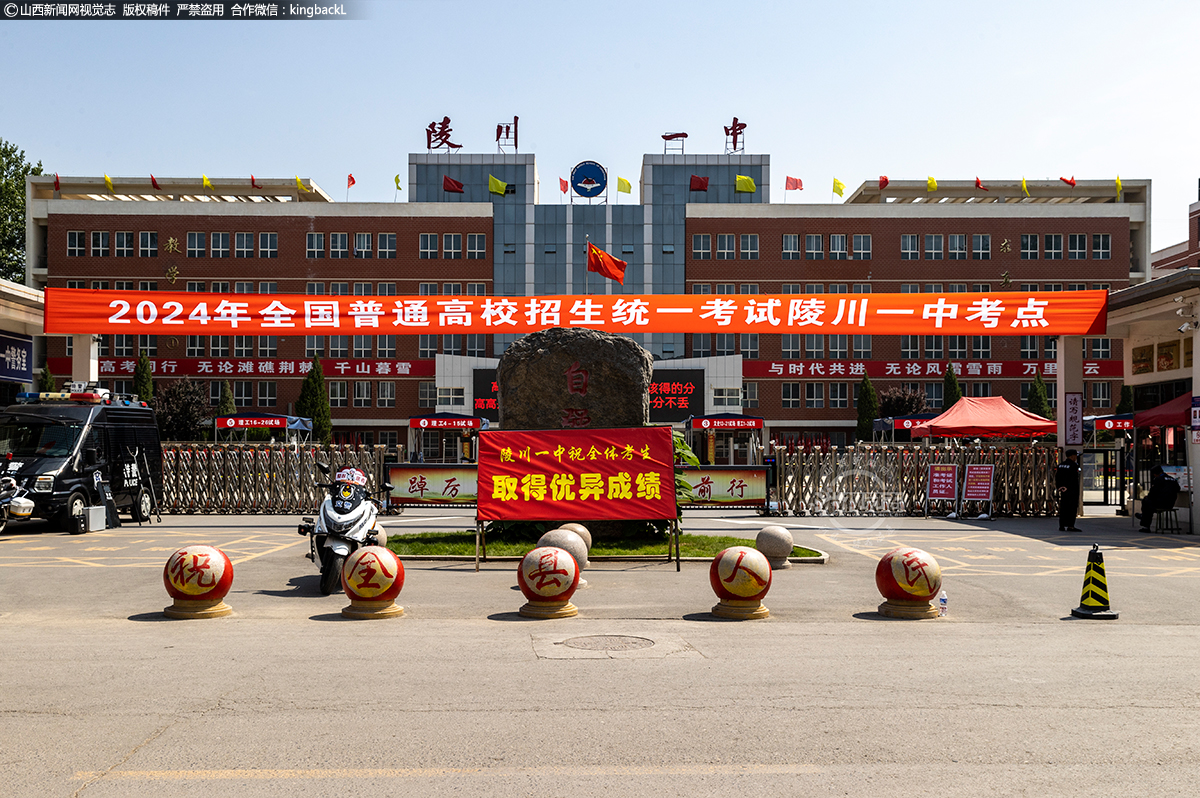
(347, 497)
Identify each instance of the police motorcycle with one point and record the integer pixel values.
(12, 502)
(345, 522)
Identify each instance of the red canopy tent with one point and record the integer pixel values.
(1175, 413)
(985, 417)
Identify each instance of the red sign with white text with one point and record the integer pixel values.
(1114, 423)
(973, 369)
(445, 423)
(80, 310)
(943, 482)
(727, 423)
(232, 422)
(600, 474)
(977, 482)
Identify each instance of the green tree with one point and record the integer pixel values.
(1039, 405)
(143, 381)
(868, 409)
(1126, 403)
(182, 410)
(13, 169)
(225, 405)
(314, 403)
(45, 380)
(951, 393)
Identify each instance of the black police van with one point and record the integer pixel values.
(61, 448)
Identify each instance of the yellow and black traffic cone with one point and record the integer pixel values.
(1094, 602)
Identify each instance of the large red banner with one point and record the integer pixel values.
(79, 310)
(593, 474)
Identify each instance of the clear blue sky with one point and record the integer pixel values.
(845, 89)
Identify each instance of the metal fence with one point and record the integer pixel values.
(256, 478)
(877, 479)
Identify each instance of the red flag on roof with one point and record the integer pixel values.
(1070, 182)
(350, 181)
(979, 184)
(699, 183)
(452, 185)
(562, 184)
(56, 181)
(154, 183)
(883, 182)
(793, 184)
(253, 184)
(601, 262)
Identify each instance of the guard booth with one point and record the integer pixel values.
(1106, 466)
(726, 438)
(293, 429)
(444, 438)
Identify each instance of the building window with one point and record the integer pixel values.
(268, 288)
(196, 245)
(1101, 348)
(1076, 286)
(385, 346)
(981, 389)
(956, 347)
(452, 246)
(476, 246)
(316, 245)
(749, 246)
(245, 287)
(476, 345)
(99, 244)
(910, 347)
(727, 397)
(814, 394)
(243, 393)
(1029, 246)
(1052, 287)
(814, 247)
(337, 394)
(429, 246)
(364, 289)
(814, 288)
(243, 245)
(387, 245)
(147, 285)
(1050, 347)
(750, 345)
(452, 344)
(386, 289)
(862, 247)
(701, 345)
(476, 289)
(933, 347)
(314, 289)
(1076, 246)
(726, 288)
(956, 247)
(1029, 347)
(243, 346)
(725, 246)
(428, 289)
(102, 285)
(838, 347)
(124, 245)
(862, 347)
(933, 247)
(123, 285)
(219, 345)
(452, 289)
(362, 394)
(790, 343)
(933, 288)
(981, 345)
(748, 288)
(266, 394)
(148, 245)
(454, 397)
(427, 394)
(749, 394)
(362, 245)
(339, 245)
(909, 247)
(701, 246)
(837, 247)
(814, 346)
(790, 396)
(268, 245)
(195, 346)
(362, 346)
(75, 244)
(1101, 246)
(1101, 394)
(339, 289)
(981, 246)
(268, 346)
(725, 344)
(314, 346)
(839, 395)
(148, 345)
(339, 346)
(933, 394)
(1053, 246)
(791, 247)
(123, 345)
(385, 394)
(427, 346)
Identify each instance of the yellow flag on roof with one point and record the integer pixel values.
(838, 187)
(623, 186)
(745, 185)
(300, 185)
(207, 184)
(930, 184)
(108, 182)
(1024, 188)
(398, 183)
(1119, 188)
(496, 186)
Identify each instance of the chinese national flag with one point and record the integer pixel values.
(883, 182)
(253, 184)
(562, 184)
(350, 181)
(1070, 182)
(601, 262)
(155, 184)
(979, 185)
(793, 184)
(451, 185)
(699, 183)
(56, 188)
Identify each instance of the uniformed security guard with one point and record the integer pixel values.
(1066, 479)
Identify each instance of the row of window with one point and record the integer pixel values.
(839, 246)
(124, 244)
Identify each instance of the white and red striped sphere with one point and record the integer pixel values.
(373, 573)
(548, 574)
(908, 574)
(740, 573)
(198, 573)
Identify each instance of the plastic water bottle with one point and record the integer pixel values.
(943, 604)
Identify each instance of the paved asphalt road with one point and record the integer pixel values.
(1008, 695)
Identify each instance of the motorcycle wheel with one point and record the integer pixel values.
(331, 576)
(3, 519)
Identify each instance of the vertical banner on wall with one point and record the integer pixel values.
(1073, 418)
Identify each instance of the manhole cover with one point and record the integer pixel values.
(608, 643)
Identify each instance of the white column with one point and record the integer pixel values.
(85, 367)
(1070, 379)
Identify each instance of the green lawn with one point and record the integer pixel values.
(463, 544)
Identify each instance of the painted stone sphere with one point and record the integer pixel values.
(740, 573)
(373, 573)
(569, 541)
(907, 574)
(581, 530)
(198, 573)
(548, 574)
